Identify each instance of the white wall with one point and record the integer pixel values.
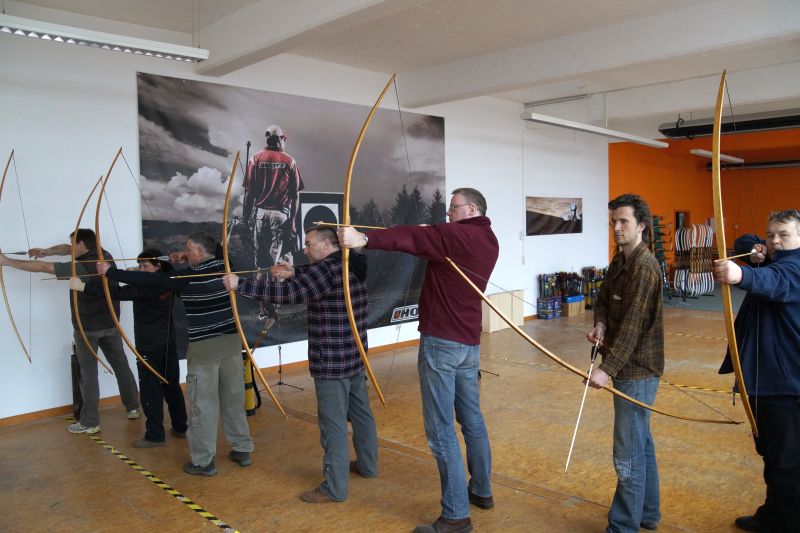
(68, 109)
(566, 163)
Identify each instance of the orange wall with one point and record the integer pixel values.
(672, 179)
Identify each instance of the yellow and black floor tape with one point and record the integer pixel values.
(702, 389)
(164, 486)
(696, 336)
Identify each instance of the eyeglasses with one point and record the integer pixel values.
(456, 206)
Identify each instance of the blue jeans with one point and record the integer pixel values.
(448, 379)
(637, 498)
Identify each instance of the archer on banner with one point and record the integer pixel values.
(187, 139)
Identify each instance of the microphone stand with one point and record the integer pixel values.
(280, 372)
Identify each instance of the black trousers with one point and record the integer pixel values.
(153, 392)
(778, 443)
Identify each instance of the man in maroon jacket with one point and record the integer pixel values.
(449, 350)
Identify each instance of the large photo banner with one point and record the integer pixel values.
(294, 153)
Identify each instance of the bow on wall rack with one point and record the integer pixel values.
(693, 261)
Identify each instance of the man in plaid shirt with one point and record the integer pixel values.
(628, 322)
(333, 358)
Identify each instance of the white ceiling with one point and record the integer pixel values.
(435, 32)
(643, 58)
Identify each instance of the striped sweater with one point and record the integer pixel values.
(207, 304)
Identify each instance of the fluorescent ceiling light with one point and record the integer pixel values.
(588, 128)
(722, 157)
(97, 39)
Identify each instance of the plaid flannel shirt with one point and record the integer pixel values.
(332, 350)
(630, 304)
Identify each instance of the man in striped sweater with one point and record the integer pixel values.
(215, 375)
(333, 357)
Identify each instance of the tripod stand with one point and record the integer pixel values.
(280, 372)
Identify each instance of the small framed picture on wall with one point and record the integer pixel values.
(548, 216)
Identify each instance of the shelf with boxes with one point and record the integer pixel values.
(560, 294)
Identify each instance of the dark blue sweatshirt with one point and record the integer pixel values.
(768, 324)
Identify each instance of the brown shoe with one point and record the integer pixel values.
(316, 496)
(443, 525)
(484, 502)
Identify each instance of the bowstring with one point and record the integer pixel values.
(758, 265)
(116, 234)
(171, 305)
(138, 187)
(680, 389)
(416, 208)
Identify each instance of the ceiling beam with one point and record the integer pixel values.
(260, 31)
(658, 41)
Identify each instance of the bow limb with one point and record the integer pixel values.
(104, 279)
(74, 294)
(719, 222)
(348, 301)
(2, 280)
(232, 294)
(571, 368)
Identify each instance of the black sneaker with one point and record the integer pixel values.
(484, 502)
(209, 470)
(750, 523)
(241, 458)
(144, 443)
(649, 526)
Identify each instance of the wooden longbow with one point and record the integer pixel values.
(571, 368)
(74, 294)
(232, 294)
(719, 222)
(348, 301)
(2, 280)
(104, 279)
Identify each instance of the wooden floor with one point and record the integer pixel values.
(51, 480)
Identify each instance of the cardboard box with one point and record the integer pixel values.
(548, 308)
(573, 305)
(510, 304)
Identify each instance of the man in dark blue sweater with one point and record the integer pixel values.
(768, 334)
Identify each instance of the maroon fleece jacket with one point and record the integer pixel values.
(448, 307)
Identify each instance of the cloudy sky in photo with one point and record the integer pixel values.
(189, 132)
